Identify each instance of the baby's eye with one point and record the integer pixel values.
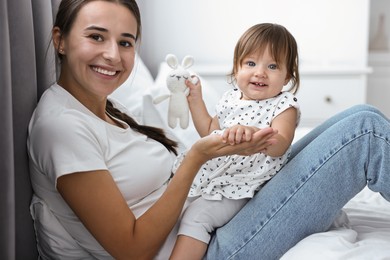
(273, 66)
(96, 37)
(250, 63)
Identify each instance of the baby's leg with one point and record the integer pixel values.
(198, 221)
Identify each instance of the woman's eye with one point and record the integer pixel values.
(96, 37)
(273, 66)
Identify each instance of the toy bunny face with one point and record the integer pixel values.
(179, 74)
(176, 80)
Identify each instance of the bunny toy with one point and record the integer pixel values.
(178, 105)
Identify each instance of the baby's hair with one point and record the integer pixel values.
(281, 43)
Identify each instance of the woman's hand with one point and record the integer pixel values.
(213, 145)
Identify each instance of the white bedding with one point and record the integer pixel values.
(365, 236)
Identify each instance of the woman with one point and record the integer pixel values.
(100, 180)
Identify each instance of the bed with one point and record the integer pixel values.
(361, 232)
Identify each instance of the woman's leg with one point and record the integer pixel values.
(300, 144)
(351, 150)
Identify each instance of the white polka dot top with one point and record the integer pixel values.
(236, 177)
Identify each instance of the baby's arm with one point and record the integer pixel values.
(284, 124)
(203, 121)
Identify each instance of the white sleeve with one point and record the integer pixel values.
(65, 144)
(287, 100)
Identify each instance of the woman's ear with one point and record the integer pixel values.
(57, 40)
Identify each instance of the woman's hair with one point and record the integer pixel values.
(151, 132)
(66, 15)
(281, 43)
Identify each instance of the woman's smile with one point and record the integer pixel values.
(105, 72)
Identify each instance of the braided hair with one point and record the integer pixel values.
(155, 133)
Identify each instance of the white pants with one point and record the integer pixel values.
(202, 216)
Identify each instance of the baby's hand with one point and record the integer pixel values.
(238, 133)
(195, 88)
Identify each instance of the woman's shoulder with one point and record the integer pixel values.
(59, 113)
(53, 102)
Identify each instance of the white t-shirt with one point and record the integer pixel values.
(65, 137)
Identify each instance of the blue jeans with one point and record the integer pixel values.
(328, 167)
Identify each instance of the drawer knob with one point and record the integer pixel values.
(328, 99)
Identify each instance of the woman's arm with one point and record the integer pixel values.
(96, 200)
(203, 121)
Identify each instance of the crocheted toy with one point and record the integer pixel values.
(178, 105)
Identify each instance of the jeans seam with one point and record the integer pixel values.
(379, 136)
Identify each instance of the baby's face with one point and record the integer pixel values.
(260, 77)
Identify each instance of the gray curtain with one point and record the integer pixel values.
(27, 68)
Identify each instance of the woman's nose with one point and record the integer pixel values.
(111, 52)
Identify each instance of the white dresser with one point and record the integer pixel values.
(378, 86)
(325, 92)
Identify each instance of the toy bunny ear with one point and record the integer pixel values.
(187, 62)
(172, 61)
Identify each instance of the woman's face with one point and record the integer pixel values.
(99, 50)
(260, 77)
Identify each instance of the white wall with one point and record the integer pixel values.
(377, 8)
(329, 32)
(378, 87)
